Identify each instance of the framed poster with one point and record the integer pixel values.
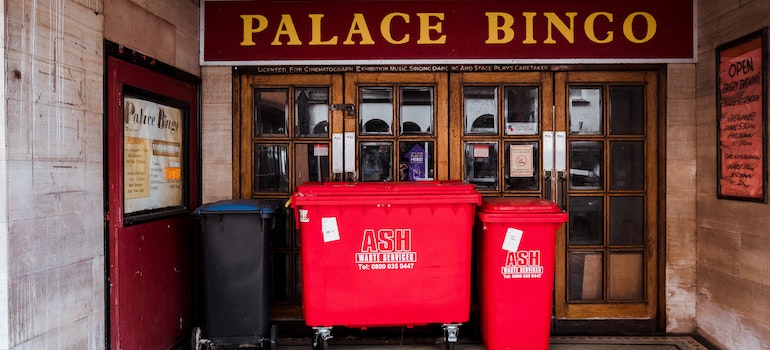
(742, 118)
(153, 155)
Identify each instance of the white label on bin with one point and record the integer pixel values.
(512, 239)
(523, 264)
(386, 249)
(303, 216)
(330, 230)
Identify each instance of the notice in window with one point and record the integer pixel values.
(152, 156)
(521, 160)
(742, 120)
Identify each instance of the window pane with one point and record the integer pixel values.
(376, 161)
(586, 276)
(585, 159)
(271, 112)
(627, 221)
(627, 110)
(521, 110)
(481, 164)
(311, 112)
(586, 221)
(376, 110)
(480, 110)
(626, 276)
(416, 161)
(627, 165)
(521, 166)
(271, 168)
(311, 162)
(416, 111)
(585, 110)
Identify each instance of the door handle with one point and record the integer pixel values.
(337, 154)
(548, 165)
(560, 167)
(561, 190)
(350, 155)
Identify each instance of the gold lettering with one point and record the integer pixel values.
(589, 27)
(495, 28)
(426, 28)
(628, 27)
(530, 32)
(249, 30)
(315, 20)
(385, 27)
(286, 27)
(555, 21)
(358, 26)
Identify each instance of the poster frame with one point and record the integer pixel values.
(180, 206)
(721, 53)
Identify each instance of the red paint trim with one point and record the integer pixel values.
(150, 264)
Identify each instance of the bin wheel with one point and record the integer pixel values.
(274, 337)
(195, 339)
(451, 332)
(320, 342)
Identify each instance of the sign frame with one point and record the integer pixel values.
(157, 208)
(392, 32)
(741, 110)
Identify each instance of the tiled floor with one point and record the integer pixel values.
(557, 343)
(626, 343)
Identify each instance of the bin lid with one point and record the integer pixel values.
(380, 188)
(524, 206)
(260, 206)
(362, 193)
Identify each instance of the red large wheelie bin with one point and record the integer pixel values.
(385, 254)
(516, 271)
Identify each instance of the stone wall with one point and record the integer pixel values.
(680, 239)
(733, 277)
(52, 189)
(217, 133)
(52, 255)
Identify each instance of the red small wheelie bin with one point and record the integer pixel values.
(516, 271)
(385, 254)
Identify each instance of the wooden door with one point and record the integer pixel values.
(283, 138)
(152, 189)
(588, 141)
(351, 127)
(607, 260)
(400, 126)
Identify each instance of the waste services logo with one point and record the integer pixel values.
(523, 264)
(386, 249)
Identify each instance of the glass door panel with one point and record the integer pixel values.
(401, 126)
(284, 125)
(498, 120)
(312, 112)
(376, 110)
(606, 261)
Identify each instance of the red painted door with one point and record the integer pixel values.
(151, 147)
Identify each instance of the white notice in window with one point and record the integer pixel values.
(521, 161)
